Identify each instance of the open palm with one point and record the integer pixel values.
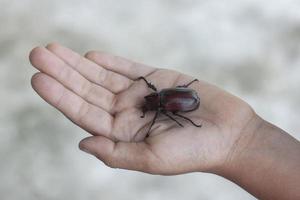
(98, 93)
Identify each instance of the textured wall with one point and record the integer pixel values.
(250, 48)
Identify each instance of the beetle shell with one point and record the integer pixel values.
(179, 99)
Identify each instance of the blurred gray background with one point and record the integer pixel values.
(250, 48)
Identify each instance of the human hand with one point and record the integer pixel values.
(98, 93)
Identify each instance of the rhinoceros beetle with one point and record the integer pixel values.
(172, 100)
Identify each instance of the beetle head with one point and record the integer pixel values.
(152, 98)
(152, 102)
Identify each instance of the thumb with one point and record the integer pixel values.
(126, 155)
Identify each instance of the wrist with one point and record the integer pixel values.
(265, 161)
(246, 144)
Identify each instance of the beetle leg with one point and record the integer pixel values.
(165, 113)
(144, 109)
(153, 121)
(150, 85)
(174, 113)
(187, 85)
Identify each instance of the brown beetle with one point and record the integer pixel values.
(174, 100)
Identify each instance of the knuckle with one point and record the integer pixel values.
(113, 104)
(86, 89)
(102, 76)
(110, 162)
(60, 100)
(66, 74)
(82, 112)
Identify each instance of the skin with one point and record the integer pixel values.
(98, 93)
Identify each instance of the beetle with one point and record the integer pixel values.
(173, 100)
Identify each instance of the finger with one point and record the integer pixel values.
(125, 155)
(90, 70)
(89, 117)
(50, 64)
(120, 65)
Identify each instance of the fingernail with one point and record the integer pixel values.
(84, 149)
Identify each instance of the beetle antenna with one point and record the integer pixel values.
(150, 85)
(187, 85)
